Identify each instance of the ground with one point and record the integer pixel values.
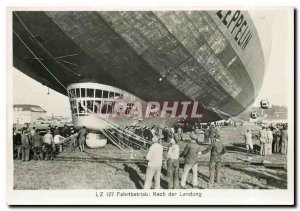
(92, 174)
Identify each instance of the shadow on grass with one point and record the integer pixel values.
(236, 147)
(256, 185)
(240, 148)
(271, 181)
(203, 176)
(134, 176)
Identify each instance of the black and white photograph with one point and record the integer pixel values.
(163, 106)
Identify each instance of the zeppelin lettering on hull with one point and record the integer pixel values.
(236, 22)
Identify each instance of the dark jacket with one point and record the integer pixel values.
(56, 132)
(190, 153)
(17, 139)
(216, 149)
(206, 132)
(213, 133)
(37, 140)
(82, 133)
(147, 134)
(65, 132)
(25, 141)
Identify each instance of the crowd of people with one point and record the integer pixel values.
(191, 153)
(273, 140)
(32, 144)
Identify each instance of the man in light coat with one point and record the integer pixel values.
(263, 140)
(249, 142)
(284, 138)
(154, 157)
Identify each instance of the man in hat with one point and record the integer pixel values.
(26, 145)
(190, 153)
(173, 165)
(18, 144)
(37, 143)
(49, 145)
(72, 132)
(263, 140)
(56, 131)
(284, 142)
(216, 149)
(154, 157)
(65, 131)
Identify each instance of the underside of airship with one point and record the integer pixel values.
(212, 57)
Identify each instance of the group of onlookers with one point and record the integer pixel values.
(272, 140)
(192, 155)
(30, 143)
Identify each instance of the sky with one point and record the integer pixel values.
(273, 30)
(271, 27)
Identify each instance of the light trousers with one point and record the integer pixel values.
(268, 148)
(186, 170)
(284, 147)
(150, 173)
(262, 149)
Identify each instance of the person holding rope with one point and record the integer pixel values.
(81, 138)
(154, 157)
(49, 145)
(58, 141)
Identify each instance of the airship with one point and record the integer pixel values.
(99, 58)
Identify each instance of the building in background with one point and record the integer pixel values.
(26, 113)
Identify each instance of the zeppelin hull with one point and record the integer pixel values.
(156, 56)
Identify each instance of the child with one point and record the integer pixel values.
(217, 150)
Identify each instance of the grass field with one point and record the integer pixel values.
(96, 175)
